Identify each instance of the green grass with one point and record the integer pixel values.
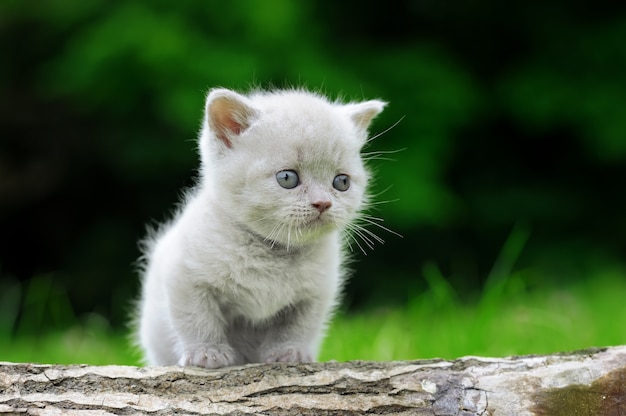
(76, 345)
(513, 321)
(508, 319)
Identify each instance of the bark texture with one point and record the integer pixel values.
(589, 382)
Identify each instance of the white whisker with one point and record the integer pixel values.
(381, 192)
(372, 221)
(347, 237)
(386, 130)
(358, 231)
(373, 205)
(353, 238)
(288, 236)
(372, 234)
(271, 236)
(268, 216)
(299, 233)
(379, 154)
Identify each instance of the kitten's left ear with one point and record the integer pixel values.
(229, 114)
(363, 113)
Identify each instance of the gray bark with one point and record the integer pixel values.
(589, 382)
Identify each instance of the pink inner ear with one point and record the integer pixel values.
(223, 120)
(224, 139)
(231, 125)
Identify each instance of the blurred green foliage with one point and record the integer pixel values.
(508, 319)
(508, 114)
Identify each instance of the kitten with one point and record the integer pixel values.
(250, 268)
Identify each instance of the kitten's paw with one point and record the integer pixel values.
(209, 356)
(288, 354)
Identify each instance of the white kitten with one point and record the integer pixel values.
(249, 270)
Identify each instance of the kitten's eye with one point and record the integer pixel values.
(341, 182)
(288, 179)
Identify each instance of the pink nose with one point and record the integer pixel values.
(321, 206)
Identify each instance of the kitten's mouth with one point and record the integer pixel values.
(316, 220)
(319, 220)
(294, 232)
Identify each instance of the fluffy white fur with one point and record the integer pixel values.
(249, 271)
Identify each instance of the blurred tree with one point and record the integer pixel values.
(507, 113)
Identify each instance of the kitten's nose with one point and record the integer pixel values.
(321, 206)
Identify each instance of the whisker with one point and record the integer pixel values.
(357, 230)
(373, 205)
(353, 238)
(262, 218)
(366, 236)
(288, 236)
(273, 234)
(379, 155)
(386, 130)
(376, 157)
(298, 234)
(380, 193)
(371, 217)
(383, 152)
(372, 221)
(372, 234)
(347, 237)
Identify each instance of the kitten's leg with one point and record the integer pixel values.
(200, 328)
(156, 335)
(295, 334)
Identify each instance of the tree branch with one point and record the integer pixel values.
(590, 382)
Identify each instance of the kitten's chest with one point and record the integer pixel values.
(258, 283)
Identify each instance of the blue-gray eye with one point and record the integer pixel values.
(341, 182)
(288, 179)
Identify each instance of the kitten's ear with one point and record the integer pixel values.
(228, 114)
(363, 113)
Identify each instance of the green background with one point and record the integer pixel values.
(509, 125)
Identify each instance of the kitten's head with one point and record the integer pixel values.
(286, 165)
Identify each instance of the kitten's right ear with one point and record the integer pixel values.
(229, 114)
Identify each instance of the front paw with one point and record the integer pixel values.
(209, 356)
(288, 354)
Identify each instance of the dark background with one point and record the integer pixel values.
(513, 117)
